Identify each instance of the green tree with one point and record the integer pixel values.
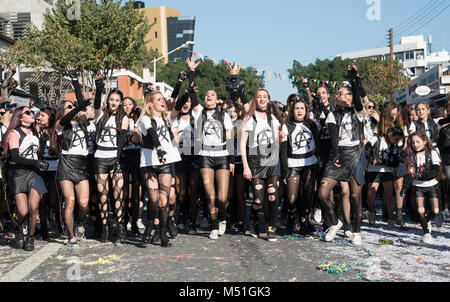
(108, 36)
(378, 78)
(210, 76)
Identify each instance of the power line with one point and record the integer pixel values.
(434, 17)
(432, 11)
(420, 11)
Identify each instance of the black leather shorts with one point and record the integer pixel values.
(154, 171)
(216, 163)
(426, 192)
(104, 165)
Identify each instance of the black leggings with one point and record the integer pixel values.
(301, 184)
(261, 188)
(327, 186)
(158, 188)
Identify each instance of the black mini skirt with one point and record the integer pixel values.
(350, 166)
(73, 168)
(23, 180)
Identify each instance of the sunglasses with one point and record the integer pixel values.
(68, 107)
(28, 112)
(371, 107)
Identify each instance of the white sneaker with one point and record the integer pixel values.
(349, 234)
(429, 226)
(222, 227)
(214, 235)
(140, 225)
(317, 216)
(129, 226)
(332, 231)
(357, 239)
(427, 238)
(204, 224)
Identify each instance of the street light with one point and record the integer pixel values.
(178, 48)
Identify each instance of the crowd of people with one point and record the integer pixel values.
(311, 162)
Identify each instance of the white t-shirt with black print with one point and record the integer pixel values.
(213, 133)
(263, 135)
(78, 145)
(420, 160)
(346, 129)
(302, 142)
(150, 158)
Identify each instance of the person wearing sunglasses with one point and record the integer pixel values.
(21, 145)
(348, 136)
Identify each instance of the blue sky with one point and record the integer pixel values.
(269, 35)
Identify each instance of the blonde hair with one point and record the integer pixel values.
(148, 109)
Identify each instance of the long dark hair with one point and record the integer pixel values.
(133, 114)
(120, 113)
(51, 112)
(13, 124)
(290, 115)
(386, 121)
(411, 153)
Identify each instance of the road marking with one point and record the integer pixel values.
(27, 266)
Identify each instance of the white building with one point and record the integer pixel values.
(437, 79)
(16, 14)
(411, 52)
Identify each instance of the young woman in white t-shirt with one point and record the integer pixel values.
(299, 164)
(111, 136)
(260, 158)
(214, 141)
(159, 154)
(424, 168)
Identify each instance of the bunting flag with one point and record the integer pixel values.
(276, 75)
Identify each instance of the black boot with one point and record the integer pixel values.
(29, 243)
(173, 232)
(290, 225)
(18, 244)
(156, 236)
(148, 232)
(164, 239)
(104, 234)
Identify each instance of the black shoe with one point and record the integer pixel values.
(134, 229)
(146, 238)
(438, 221)
(290, 225)
(18, 244)
(29, 244)
(164, 239)
(173, 232)
(97, 229)
(192, 229)
(156, 236)
(104, 234)
(241, 227)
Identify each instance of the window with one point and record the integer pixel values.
(179, 36)
(156, 35)
(409, 55)
(398, 56)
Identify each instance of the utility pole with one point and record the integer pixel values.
(391, 63)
